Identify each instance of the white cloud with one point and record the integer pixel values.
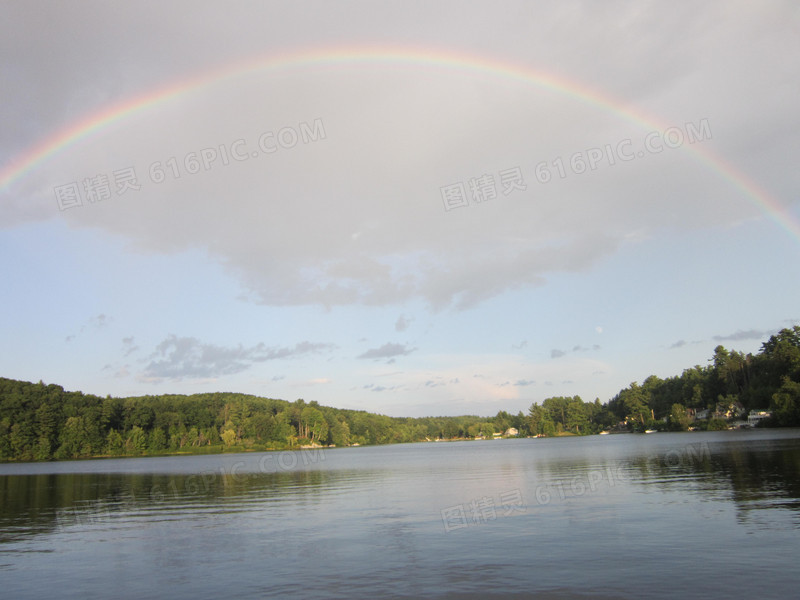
(284, 223)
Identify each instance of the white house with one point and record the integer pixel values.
(756, 416)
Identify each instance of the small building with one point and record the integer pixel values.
(512, 431)
(729, 410)
(702, 415)
(756, 416)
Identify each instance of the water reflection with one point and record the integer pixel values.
(36, 504)
(364, 519)
(764, 475)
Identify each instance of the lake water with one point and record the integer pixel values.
(683, 515)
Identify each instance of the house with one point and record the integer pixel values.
(512, 431)
(729, 410)
(756, 416)
(701, 415)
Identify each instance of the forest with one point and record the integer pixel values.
(45, 422)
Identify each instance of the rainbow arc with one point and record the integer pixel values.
(94, 123)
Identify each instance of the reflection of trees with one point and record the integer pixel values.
(764, 474)
(33, 504)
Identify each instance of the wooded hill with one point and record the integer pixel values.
(41, 422)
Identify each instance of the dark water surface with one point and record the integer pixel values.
(691, 515)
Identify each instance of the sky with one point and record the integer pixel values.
(411, 208)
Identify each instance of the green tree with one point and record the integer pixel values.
(114, 443)
(111, 413)
(678, 419)
(43, 449)
(283, 431)
(259, 426)
(5, 444)
(502, 421)
(340, 433)
(136, 442)
(577, 416)
(192, 438)
(540, 421)
(313, 424)
(47, 421)
(557, 409)
(717, 425)
(22, 438)
(228, 437)
(635, 405)
(786, 404)
(74, 442)
(157, 440)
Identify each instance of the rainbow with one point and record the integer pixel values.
(383, 56)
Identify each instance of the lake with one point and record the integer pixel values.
(666, 515)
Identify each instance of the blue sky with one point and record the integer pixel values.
(332, 269)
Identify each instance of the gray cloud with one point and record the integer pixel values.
(402, 323)
(95, 323)
(380, 388)
(98, 322)
(128, 346)
(187, 357)
(679, 344)
(750, 334)
(524, 382)
(388, 350)
(556, 353)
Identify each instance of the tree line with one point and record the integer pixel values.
(43, 422)
(732, 381)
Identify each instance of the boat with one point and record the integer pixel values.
(604, 433)
(651, 430)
